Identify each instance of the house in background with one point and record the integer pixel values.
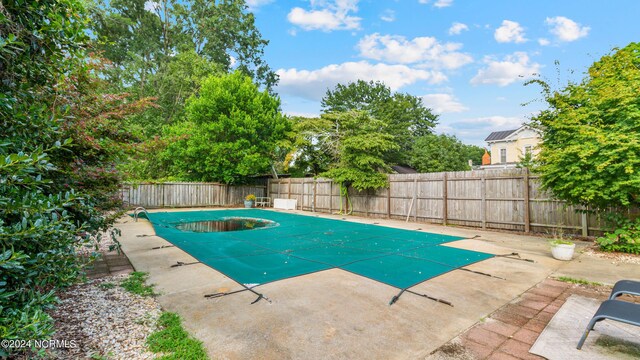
(510, 146)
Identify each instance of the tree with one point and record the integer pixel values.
(357, 143)
(405, 116)
(435, 153)
(175, 81)
(591, 138)
(591, 142)
(232, 131)
(309, 152)
(141, 36)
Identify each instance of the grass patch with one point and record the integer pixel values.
(174, 341)
(618, 346)
(135, 284)
(106, 285)
(578, 281)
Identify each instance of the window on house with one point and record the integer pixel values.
(503, 155)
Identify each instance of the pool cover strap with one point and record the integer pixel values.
(180, 263)
(396, 297)
(221, 294)
(515, 256)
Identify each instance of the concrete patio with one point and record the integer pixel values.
(335, 314)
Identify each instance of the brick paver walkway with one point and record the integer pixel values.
(510, 331)
(110, 263)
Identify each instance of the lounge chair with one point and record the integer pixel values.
(625, 287)
(617, 310)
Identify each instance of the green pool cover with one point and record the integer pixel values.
(297, 245)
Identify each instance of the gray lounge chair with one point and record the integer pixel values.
(622, 311)
(625, 287)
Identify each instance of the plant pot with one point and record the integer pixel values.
(563, 251)
(249, 203)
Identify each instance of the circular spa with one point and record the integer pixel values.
(226, 224)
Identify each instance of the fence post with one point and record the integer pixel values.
(483, 209)
(527, 221)
(330, 196)
(415, 199)
(366, 203)
(585, 223)
(315, 192)
(289, 189)
(444, 198)
(163, 185)
(389, 198)
(268, 187)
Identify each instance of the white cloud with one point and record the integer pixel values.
(426, 51)
(388, 15)
(475, 130)
(443, 3)
(255, 4)
(443, 103)
(566, 29)
(326, 15)
(302, 114)
(151, 6)
(502, 73)
(544, 42)
(313, 84)
(510, 31)
(456, 28)
(438, 3)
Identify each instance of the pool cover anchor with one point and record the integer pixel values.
(396, 297)
(221, 294)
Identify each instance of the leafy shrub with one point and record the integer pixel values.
(626, 238)
(49, 206)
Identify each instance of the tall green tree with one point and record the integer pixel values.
(591, 139)
(233, 131)
(405, 115)
(590, 154)
(357, 143)
(141, 36)
(435, 153)
(309, 152)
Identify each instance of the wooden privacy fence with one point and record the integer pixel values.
(187, 194)
(508, 199)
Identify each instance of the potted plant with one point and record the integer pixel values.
(562, 249)
(249, 201)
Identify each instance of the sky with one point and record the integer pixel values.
(467, 60)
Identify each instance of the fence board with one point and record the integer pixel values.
(492, 199)
(187, 194)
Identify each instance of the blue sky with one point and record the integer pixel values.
(466, 59)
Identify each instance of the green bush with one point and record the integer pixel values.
(626, 238)
(53, 192)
